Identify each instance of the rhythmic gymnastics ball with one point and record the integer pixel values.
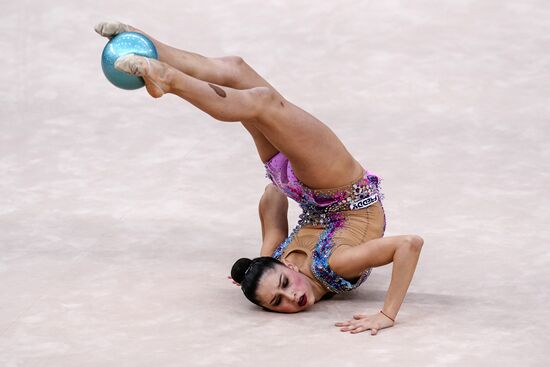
(124, 44)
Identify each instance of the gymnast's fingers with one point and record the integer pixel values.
(350, 328)
(346, 323)
(360, 329)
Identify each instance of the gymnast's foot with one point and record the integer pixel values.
(111, 29)
(157, 75)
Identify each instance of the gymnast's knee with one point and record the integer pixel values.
(264, 99)
(236, 62)
(234, 67)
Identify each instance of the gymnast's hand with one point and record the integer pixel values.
(232, 280)
(363, 322)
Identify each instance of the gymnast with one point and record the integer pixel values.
(338, 238)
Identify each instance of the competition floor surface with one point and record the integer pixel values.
(121, 215)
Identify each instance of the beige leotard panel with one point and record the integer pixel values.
(359, 226)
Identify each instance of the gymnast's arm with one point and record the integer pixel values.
(403, 251)
(273, 209)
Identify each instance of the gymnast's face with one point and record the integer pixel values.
(285, 289)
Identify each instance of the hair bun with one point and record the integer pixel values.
(239, 269)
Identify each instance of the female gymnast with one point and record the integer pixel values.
(338, 239)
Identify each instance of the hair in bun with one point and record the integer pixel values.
(248, 273)
(238, 271)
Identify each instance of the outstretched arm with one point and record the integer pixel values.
(403, 251)
(273, 210)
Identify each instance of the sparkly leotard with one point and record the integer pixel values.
(329, 210)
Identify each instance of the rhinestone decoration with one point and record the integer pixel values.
(321, 208)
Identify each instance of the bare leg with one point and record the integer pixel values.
(318, 157)
(222, 103)
(231, 71)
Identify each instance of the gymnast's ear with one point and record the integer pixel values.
(291, 266)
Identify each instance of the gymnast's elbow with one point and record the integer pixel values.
(414, 243)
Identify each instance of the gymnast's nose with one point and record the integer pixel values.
(291, 296)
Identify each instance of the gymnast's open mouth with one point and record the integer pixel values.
(302, 301)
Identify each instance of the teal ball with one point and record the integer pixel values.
(124, 44)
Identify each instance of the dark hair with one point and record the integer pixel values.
(248, 273)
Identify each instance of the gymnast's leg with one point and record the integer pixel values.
(319, 158)
(231, 71)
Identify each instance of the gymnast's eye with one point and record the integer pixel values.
(285, 283)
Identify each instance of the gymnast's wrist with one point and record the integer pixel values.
(387, 315)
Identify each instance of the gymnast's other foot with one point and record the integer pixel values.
(157, 75)
(111, 29)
